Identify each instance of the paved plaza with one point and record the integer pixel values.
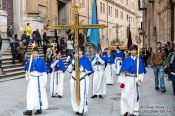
(153, 103)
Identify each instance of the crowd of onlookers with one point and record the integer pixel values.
(19, 45)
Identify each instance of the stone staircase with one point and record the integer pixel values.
(16, 71)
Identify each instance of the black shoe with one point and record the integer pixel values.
(100, 96)
(81, 114)
(77, 113)
(110, 84)
(156, 88)
(163, 90)
(126, 114)
(38, 112)
(132, 115)
(28, 112)
(59, 96)
(94, 96)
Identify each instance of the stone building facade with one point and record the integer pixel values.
(111, 13)
(19, 12)
(158, 21)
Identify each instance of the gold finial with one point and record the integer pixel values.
(76, 6)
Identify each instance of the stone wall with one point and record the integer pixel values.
(158, 22)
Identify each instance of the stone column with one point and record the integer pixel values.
(17, 16)
(53, 11)
(168, 30)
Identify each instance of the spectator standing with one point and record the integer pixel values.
(170, 47)
(10, 35)
(28, 33)
(34, 37)
(21, 52)
(38, 36)
(69, 47)
(14, 50)
(62, 45)
(158, 57)
(24, 38)
(172, 67)
(0, 41)
(45, 38)
(145, 56)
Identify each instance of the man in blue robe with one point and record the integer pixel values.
(119, 56)
(130, 83)
(110, 67)
(85, 71)
(57, 76)
(99, 81)
(36, 75)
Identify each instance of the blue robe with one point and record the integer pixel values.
(109, 60)
(130, 65)
(60, 65)
(38, 64)
(119, 54)
(86, 64)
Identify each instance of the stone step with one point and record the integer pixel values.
(3, 79)
(12, 74)
(13, 69)
(8, 62)
(11, 65)
(6, 53)
(6, 58)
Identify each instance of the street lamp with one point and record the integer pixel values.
(141, 4)
(117, 41)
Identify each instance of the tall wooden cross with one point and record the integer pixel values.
(76, 27)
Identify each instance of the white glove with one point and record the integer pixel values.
(73, 61)
(97, 56)
(26, 75)
(68, 59)
(81, 69)
(27, 78)
(138, 81)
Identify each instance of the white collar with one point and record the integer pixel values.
(133, 57)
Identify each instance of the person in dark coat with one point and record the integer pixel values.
(45, 38)
(0, 41)
(38, 36)
(14, 49)
(34, 37)
(145, 56)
